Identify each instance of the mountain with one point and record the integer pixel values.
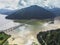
(6, 11)
(32, 12)
(56, 11)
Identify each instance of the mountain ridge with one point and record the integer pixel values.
(32, 12)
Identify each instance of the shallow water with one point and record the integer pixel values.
(5, 24)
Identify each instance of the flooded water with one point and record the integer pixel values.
(26, 33)
(6, 24)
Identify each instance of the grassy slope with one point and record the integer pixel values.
(3, 37)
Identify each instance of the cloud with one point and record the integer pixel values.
(11, 4)
(17, 4)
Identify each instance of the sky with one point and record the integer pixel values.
(10, 4)
(17, 4)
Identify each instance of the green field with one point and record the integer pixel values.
(3, 38)
(31, 22)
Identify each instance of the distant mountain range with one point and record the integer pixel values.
(56, 11)
(6, 11)
(32, 12)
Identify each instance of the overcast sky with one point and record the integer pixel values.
(15, 4)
